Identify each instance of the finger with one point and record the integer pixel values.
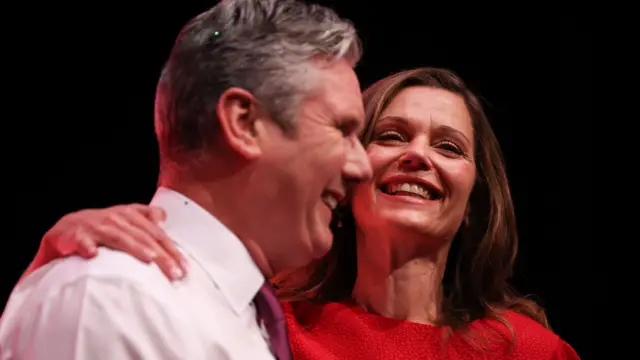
(162, 258)
(160, 237)
(88, 247)
(154, 213)
(169, 267)
(114, 237)
(157, 214)
(78, 242)
(121, 229)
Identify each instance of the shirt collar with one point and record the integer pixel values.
(221, 254)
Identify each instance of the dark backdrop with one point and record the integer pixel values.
(85, 126)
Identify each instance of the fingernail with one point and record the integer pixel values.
(150, 254)
(184, 264)
(176, 273)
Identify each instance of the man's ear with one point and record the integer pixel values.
(238, 111)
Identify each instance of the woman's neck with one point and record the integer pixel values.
(399, 282)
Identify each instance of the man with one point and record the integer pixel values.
(257, 114)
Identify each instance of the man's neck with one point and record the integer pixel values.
(218, 197)
(399, 284)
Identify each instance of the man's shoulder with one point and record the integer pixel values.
(72, 285)
(107, 265)
(107, 269)
(111, 301)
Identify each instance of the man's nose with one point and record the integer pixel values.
(358, 167)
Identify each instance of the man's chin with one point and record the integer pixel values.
(314, 248)
(321, 245)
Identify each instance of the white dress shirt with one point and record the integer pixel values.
(116, 307)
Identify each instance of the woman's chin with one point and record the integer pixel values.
(403, 222)
(414, 217)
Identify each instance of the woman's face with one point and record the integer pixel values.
(422, 157)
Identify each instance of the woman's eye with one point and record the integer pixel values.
(451, 147)
(390, 136)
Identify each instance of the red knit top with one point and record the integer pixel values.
(345, 331)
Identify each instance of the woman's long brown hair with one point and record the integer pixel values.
(484, 249)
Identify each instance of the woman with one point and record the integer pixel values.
(421, 254)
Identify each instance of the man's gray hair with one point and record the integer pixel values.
(266, 47)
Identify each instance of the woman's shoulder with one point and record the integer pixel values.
(534, 341)
(305, 309)
(329, 317)
(525, 337)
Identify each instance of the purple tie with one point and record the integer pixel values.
(271, 314)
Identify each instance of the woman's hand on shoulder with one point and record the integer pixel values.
(132, 228)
